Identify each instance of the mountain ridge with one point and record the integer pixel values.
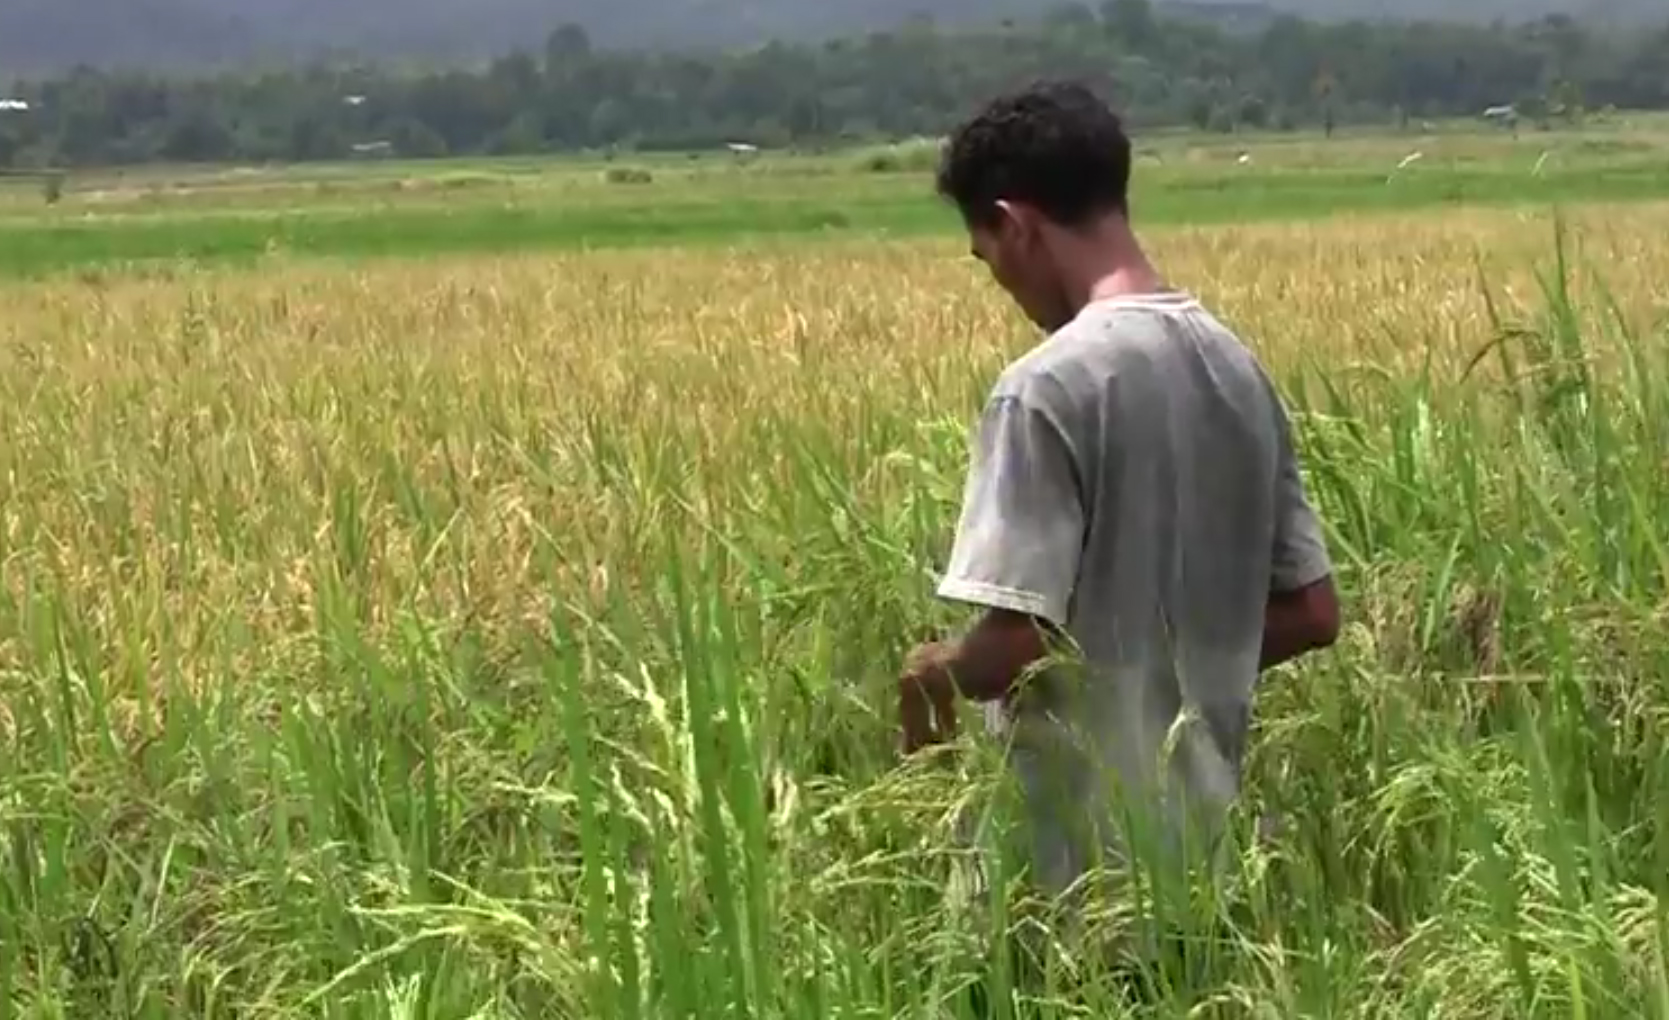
(46, 36)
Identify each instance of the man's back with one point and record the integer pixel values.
(1162, 429)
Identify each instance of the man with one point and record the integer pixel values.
(1134, 497)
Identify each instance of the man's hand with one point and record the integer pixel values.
(982, 666)
(927, 697)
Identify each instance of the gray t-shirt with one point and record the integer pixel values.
(1133, 483)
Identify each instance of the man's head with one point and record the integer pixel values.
(1031, 173)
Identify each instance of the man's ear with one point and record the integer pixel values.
(1021, 227)
(1012, 220)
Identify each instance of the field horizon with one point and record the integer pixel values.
(183, 217)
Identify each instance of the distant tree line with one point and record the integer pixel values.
(1161, 69)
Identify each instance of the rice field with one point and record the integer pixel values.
(190, 217)
(511, 634)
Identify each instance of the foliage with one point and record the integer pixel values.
(1160, 67)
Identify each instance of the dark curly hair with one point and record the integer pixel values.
(1054, 145)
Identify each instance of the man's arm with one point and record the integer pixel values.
(1297, 622)
(985, 662)
(1016, 556)
(1303, 610)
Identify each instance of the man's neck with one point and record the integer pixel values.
(1127, 281)
(1107, 262)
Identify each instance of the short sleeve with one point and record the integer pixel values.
(1300, 556)
(1021, 531)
